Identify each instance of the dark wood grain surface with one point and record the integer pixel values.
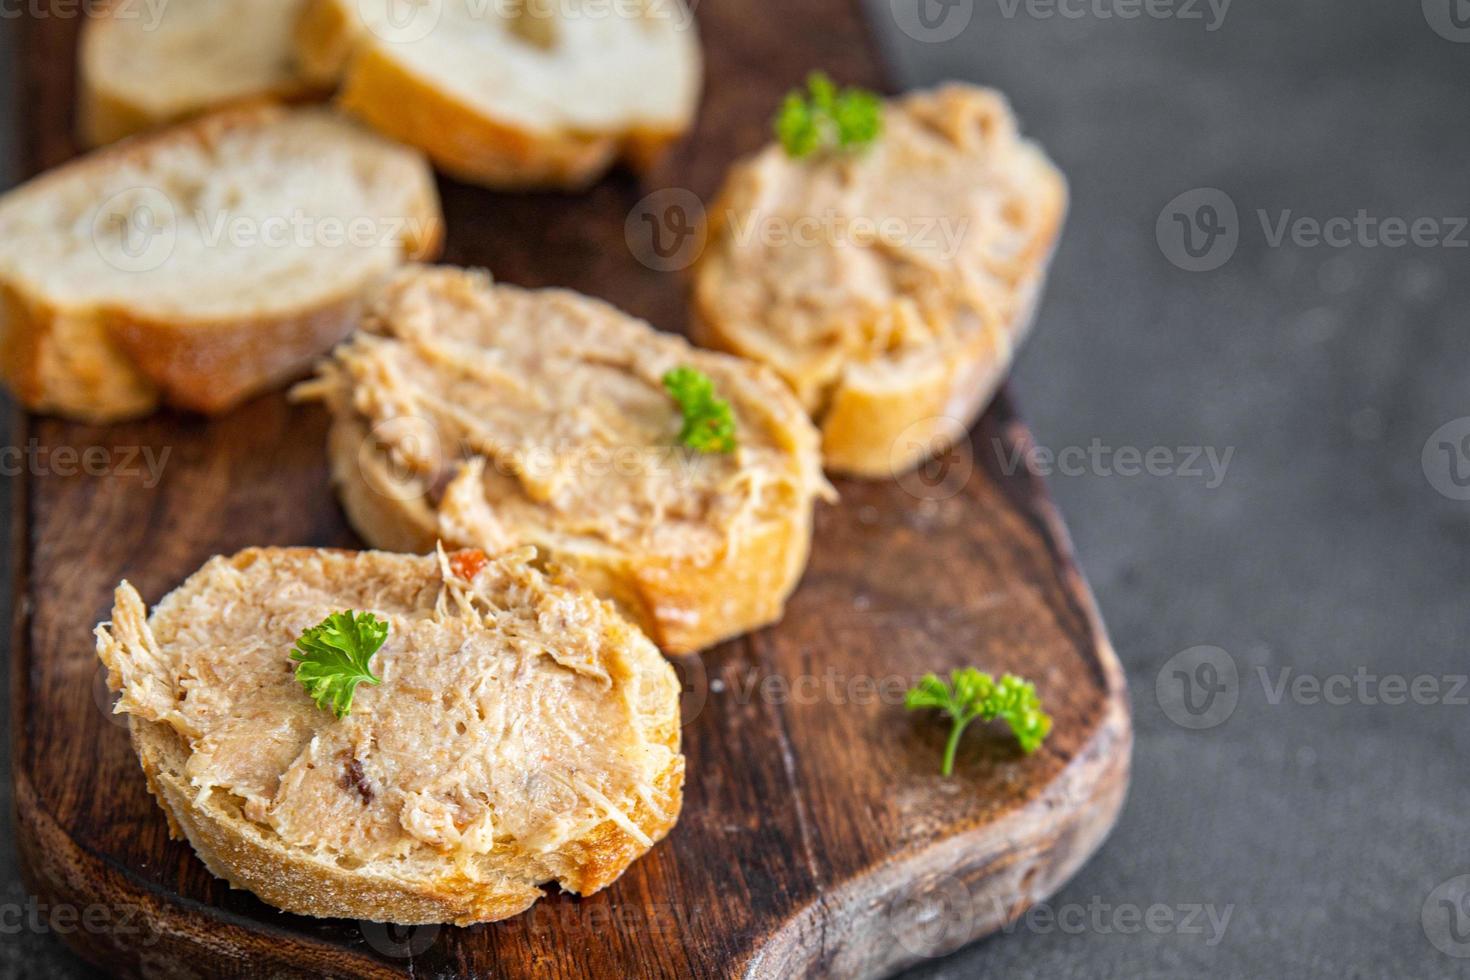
(816, 837)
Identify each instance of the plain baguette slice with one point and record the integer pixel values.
(523, 733)
(143, 64)
(494, 417)
(204, 263)
(512, 93)
(889, 288)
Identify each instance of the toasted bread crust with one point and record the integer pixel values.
(460, 139)
(90, 380)
(106, 362)
(463, 142)
(878, 433)
(251, 856)
(683, 607)
(105, 115)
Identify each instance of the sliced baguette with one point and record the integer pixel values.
(492, 417)
(202, 264)
(889, 288)
(512, 93)
(522, 733)
(145, 64)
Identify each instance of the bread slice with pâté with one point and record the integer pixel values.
(889, 283)
(493, 417)
(502, 731)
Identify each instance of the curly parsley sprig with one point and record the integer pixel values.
(709, 424)
(332, 658)
(969, 695)
(824, 117)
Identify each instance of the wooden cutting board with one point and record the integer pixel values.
(817, 837)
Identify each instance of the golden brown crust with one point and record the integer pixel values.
(105, 116)
(120, 364)
(324, 37)
(880, 432)
(248, 856)
(460, 139)
(65, 362)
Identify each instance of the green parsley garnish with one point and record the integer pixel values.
(709, 425)
(824, 117)
(332, 658)
(972, 695)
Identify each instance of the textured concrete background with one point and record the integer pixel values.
(1310, 832)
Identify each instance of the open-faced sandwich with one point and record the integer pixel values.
(201, 264)
(512, 93)
(885, 259)
(398, 738)
(678, 482)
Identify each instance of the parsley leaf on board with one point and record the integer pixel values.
(969, 694)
